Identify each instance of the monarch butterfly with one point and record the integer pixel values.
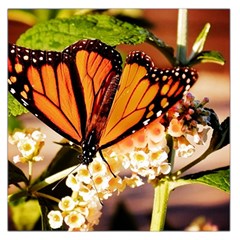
(83, 94)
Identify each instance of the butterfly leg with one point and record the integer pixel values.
(101, 154)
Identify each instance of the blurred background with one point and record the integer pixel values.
(131, 210)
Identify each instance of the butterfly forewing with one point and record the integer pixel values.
(145, 93)
(65, 89)
(41, 81)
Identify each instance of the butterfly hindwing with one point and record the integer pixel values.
(145, 92)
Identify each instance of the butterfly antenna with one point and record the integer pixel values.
(94, 186)
(65, 177)
(101, 154)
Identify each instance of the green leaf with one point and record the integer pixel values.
(14, 107)
(199, 56)
(25, 214)
(56, 34)
(14, 123)
(18, 197)
(15, 175)
(207, 57)
(46, 207)
(166, 50)
(221, 136)
(218, 178)
(200, 41)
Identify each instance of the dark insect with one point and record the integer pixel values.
(84, 95)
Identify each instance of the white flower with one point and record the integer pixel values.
(29, 142)
(38, 136)
(37, 158)
(73, 183)
(27, 147)
(86, 193)
(139, 159)
(155, 131)
(66, 204)
(157, 146)
(175, 128)
(14, 139)
(74, 219)
(157, 158)
(133, 181)
(97, 166)
(185, 148)
(83, 174)
(165, 168)
(55, 219)
(101, 182)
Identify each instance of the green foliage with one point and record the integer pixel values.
(200, 56)
(56, 34)
(217, 178)
(14, 123)
(15, 175)
(25, 215)
(221, 135)
(14, 107)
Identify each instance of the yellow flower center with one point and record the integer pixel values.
(56, 218)
(27, 147)
(74, 218)
(139, 157)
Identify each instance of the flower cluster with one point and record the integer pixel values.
(29, 143)
(77, 215)
(144, 155)
(188, 118)
(146, 151)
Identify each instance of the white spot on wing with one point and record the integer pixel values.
(12, 91)
(158, 114)
(24, 103)
(145, 123)
(25, 57)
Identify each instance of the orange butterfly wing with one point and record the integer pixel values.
(64, 89)
(145, 92)
(78, 94)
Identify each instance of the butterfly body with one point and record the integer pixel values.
(83, 94)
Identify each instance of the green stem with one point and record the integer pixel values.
(160, 201)
(30, 169)
(49, 180)
(182, 36)
(171, 154)
(39, 194)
